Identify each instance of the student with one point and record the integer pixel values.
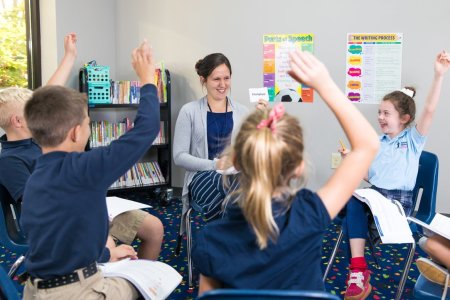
(19, 153)
(393, 173)
(271, 235)
(64, 213)
(437, 269)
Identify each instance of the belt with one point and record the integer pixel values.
(65, 279)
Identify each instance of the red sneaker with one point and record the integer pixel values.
(358, 285)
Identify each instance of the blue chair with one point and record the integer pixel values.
(245, 294)
(427, 290)
(424, 199)
(7, 288)
(10, 233)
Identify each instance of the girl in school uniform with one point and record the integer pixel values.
(271, 234)
(393, 173)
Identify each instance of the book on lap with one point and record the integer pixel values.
(153, 279)
(117, 205)
(440, 225)
(389, 217)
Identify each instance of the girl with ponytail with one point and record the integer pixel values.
(271, 234)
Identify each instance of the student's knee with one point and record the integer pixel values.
(151, 228)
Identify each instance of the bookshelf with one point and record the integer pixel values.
(113, 115)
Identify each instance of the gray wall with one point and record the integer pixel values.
(181, 32)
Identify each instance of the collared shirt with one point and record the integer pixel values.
(397, 162)
(17, 161)
(226, 249)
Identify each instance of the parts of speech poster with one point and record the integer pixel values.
(374, 65)
(276, 48)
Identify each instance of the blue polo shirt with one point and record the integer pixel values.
(396, 165)
(227, 251)
(17, 160)
(64, 214)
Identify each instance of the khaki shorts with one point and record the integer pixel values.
(125, 226)
(94, 287)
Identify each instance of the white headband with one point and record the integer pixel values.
(407, 92)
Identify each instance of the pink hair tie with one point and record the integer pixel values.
(275, 114)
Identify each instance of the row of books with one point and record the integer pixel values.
(141, 174)
(128, 92)
(104, 132)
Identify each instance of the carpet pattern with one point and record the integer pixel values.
(391, 258)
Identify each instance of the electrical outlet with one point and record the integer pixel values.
(335, 160)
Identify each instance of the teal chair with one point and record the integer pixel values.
(424, 197)
(427, 290)
(247, 294)
(7, 288)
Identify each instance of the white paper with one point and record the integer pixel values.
(439, 225)
(117, 205)
(258, 93)
(230, 171)
(389, 217)
(154, 279)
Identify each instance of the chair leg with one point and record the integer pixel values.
(333, 254)
(16, 266)
(372, 250)
(401, 284)
(189, 246)
(178, 248)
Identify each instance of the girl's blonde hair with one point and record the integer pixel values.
(267, 158)
(12, 101)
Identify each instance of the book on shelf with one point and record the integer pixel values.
(141, 174)
(104, 132)
(388, 215)
(128, 91)
(117, 205)
(153, 279)
(440, 225)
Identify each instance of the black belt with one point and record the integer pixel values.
(65, 279)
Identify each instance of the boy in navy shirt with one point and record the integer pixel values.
(19, 153)
(64, 211)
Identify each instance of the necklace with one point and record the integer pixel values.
(220, 129)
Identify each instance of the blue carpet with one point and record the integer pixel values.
(384, 281)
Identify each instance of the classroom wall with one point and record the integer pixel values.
(181, 32)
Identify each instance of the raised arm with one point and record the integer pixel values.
(441, 66)
(306, 69)
(65, 67)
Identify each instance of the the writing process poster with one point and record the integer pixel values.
(280, 85)
(374, 65)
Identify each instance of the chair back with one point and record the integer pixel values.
(247, 294)
(10, 235)
(425, 190)
(7, 288)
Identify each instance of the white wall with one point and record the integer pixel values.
(181, 32)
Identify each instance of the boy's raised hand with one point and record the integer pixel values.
(143, 64)
(70, 47)
(442, 63)
(307, 69)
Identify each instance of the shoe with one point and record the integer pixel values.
(358, 285)
(432, 271)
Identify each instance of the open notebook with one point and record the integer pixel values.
(389, 217)
(117, 205)
(439, 225)
(154, 279)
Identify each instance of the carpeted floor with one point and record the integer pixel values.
(384, 281)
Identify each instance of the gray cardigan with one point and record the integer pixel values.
(190, 143)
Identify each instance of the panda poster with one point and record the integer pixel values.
(374, 65)
(276, 48)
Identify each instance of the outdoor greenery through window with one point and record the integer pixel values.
(13, 44)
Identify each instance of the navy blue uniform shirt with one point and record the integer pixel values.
(64, 212)
(17, 160)
(226, 249)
